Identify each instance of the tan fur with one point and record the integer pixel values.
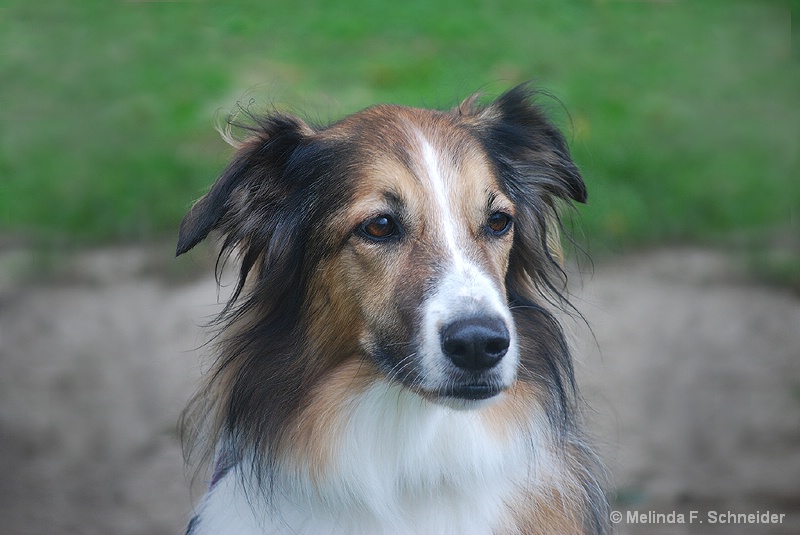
(551, 512)
(513, 412)
(313, 440)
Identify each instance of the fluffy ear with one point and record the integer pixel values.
(530, 151)
(257, 166)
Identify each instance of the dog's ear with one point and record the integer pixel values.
(257, 166)
(531, 153)
(533, 163)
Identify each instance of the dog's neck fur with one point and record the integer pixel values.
(403, 465)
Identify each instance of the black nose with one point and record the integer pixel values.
(475, 343)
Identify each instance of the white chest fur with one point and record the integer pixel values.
(402, 466)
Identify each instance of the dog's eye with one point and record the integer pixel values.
(382, 227)
(499, 223)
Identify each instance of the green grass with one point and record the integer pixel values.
(684, 116)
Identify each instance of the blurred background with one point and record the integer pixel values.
(683, 117)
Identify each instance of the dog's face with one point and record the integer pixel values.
(397, 236)
(425, 239)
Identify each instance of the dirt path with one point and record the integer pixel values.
(695, 391)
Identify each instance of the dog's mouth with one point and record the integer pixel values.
(472, 392)
(463, 395)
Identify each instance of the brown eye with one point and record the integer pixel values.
(499, 223)
(382, 227)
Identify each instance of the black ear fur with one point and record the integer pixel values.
(528, 147)
(259, 160)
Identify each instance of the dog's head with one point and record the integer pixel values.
(399, 236)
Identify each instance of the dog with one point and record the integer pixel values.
(390, 361)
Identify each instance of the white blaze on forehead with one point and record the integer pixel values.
(437, 181)
(441, 177)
